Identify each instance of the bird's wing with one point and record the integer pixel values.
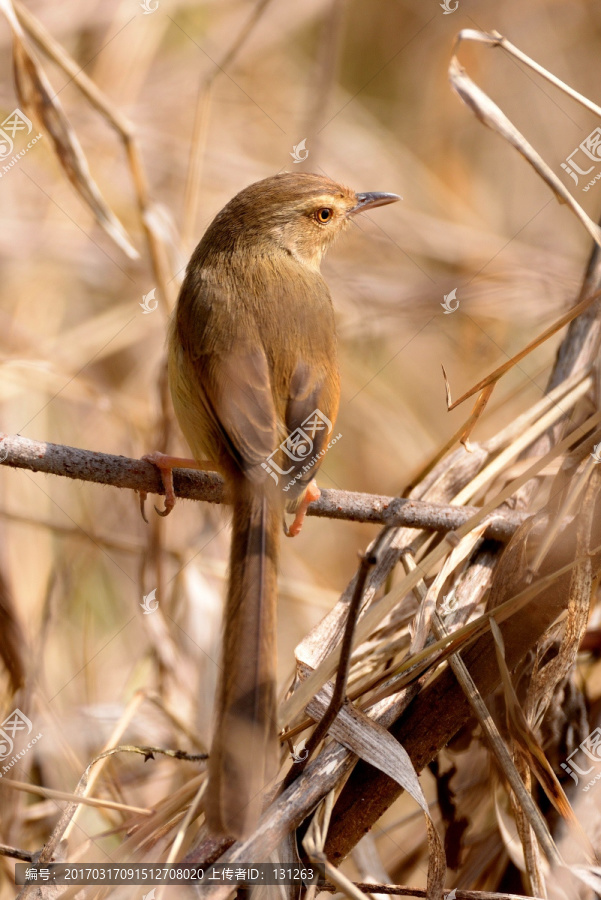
(311, 411)
(256, 387)
(239, 389)
(225, 395)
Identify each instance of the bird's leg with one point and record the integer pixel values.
(311, 494)
(166, 464)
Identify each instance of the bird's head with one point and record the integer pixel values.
(300, 214)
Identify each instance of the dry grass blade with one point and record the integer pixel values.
(517, 433)
(529, 746)
(313, 843)
(315, 838)
(540, 690)
(308, 688)
(40, 102)
(415, 665)
(569, 504)
(428, 606)
(374, 744)
(494, 739)
(125, 130)
(475, 415)
(526, 856)
(78, 799)
(491, 116)
(494, 39)
(524, 438)
(335, 876)
(341, 684)
(590, 876)
(143, 837)
(192, 812)
(12, 639)
(104, 755)
(462, 435)
(498, 373)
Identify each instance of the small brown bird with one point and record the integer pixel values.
(254, 379)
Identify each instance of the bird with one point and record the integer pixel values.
(253, 375)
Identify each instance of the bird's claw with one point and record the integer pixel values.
(166, 470)
(142, 495)
(311, 494)
(167, 508)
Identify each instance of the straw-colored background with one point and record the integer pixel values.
(366, 85)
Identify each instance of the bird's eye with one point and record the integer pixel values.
(323, 215)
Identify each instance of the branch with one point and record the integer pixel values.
(139, 475)
(400, 890)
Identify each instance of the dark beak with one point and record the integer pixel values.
(371, 200)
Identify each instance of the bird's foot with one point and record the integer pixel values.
(311, 494)
(166, 464)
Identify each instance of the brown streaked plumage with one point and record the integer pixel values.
(252, 354)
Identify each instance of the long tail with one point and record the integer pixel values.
(244, 749)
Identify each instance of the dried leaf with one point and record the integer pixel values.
(589, 875)
(494, 39)
(491, 116)
(452, 562)
(40, 102)
(374, 744)
(529, 745)
(306, 689)
(12, 640)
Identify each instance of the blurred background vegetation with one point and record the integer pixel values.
(366, 85)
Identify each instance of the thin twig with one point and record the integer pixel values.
(368, 887)
(338, 695)
(149, 752)
(15, 853)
